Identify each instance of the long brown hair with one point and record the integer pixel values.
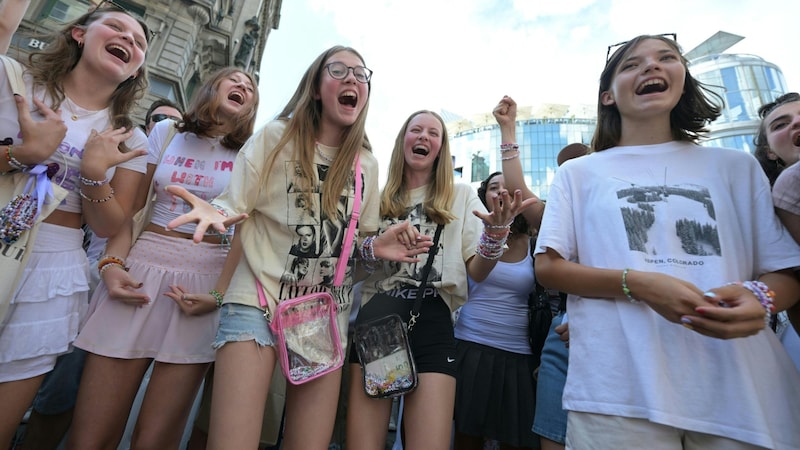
(303, 114)
(203, 113)
(688, 119)
(440, 195)
(50, 66)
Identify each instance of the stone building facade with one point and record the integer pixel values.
(191, 38)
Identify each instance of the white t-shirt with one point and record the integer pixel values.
(201, 165)
(700, 214)
(69, 152)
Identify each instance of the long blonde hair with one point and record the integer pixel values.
(440, 194)
(303, 114)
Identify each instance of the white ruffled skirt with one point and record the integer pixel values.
(48, 305)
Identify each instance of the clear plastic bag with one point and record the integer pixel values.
(308, 337)
(385, 356)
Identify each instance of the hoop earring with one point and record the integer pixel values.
(80, 44)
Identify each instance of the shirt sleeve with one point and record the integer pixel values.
(786, 192)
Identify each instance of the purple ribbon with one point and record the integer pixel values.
(43, 187)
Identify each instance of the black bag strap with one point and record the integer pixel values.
(425, 272)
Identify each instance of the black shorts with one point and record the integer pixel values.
(433, 345)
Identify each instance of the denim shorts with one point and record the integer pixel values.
(550, 420)
(241, 323)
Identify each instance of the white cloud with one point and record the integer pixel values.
(463, 56)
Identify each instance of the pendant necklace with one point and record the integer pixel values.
(73, 115)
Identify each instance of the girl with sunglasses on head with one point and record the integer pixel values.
(320, 131)
(82, 87)
(420, 192)
(672, 274)
(140, 313)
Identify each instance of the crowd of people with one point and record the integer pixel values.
(138, 282)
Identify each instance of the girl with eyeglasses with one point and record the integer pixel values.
(82, 87)
(674, 260)
(320, 132)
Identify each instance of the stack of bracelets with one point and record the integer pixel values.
(493, 242)
(108, 261)
(509, 147)
(218, 297)
(13, 162)
(368, 254)
(95, 183)
(764, 295)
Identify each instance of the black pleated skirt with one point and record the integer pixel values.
(495, 394)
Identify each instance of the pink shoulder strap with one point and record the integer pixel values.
(349, 238)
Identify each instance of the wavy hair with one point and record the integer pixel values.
(203, 114)
(303, 116)
(772, 167)
(440, 195)
(688, 119)
(50, 66)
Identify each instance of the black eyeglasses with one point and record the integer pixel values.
(155, 118)
(339, 71)
(613, 48)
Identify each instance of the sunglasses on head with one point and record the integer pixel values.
(155, 118)
(614, 47)
(111, 5)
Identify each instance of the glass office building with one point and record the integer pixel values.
(540, 137)
(745, 82)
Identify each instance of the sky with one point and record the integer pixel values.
(463, 56)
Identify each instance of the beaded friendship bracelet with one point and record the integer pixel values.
(509, 158)
(96, 200)
(764, 294)
(110, 265)
(89, 182)
(218, 297)
(109, 259)
(507, 147)
(625, 289)
(490, 247)
(14, 162)
(368, 257)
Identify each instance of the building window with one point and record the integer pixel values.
(480, 169)
(64, 11)
(163, 89)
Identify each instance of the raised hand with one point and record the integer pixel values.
(101, 152)
(505, 112)
(202, 213)
(190, 303)
(40, 139)
(123, 288)
(505, 208)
